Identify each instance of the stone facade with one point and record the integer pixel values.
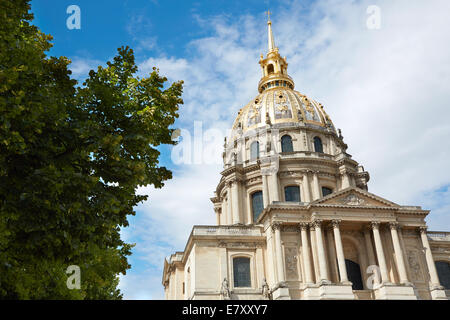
(348, 244)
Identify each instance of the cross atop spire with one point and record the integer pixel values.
(268, 15)
(271, 40)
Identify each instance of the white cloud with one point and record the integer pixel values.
(81, 66)
(387, 89)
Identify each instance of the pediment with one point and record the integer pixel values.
(354, 197)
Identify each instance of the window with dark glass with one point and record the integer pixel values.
(443, 270)
(257, 204)
(354, 274)
(326, 191)
(292, 193)
(318, 145)
(254, 150)
(270, 69)
(241, 272)
(286, 144)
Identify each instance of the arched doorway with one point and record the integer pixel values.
(354, 274)
(352, 262)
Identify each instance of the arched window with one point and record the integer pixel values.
(318, 145)
(292, 193)
(286, 144)
(254, 150)
(257, 204)
(443, 270)
(241, 272)
(326, 191)
(270, 69)
(354, 274)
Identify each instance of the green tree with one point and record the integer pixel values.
(71, 160)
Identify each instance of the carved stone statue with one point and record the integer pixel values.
(225, 289)
(265, 290)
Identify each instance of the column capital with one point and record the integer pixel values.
(317, 223)
(276, 225)
(303, 226)
(335, 223)
(423, 229)
(394, 225)
(234, 180)
(375, 224)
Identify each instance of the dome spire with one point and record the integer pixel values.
(270, 34)
(274, 67)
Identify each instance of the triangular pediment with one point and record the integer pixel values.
(354, 197)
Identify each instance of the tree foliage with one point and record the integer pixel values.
(71, 160)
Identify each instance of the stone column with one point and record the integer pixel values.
(275, 196)
(369, 247)
(369, 250)
(345, 181)
(306, 187)
(235, 201)
(398, 253)
(315, 260)
(332, 261)
(305, 253)
(265, 191)
(429, 257)
(352, 180)
(229, 207)
(320, 251)
(217, 211)
(380, 254)
(316, 191)
(340, 252)
(276, 226)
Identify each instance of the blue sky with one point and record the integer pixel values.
(386, 88)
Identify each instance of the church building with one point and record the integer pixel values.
(295, 219)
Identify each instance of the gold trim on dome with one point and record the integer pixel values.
(261, 98)
(275, 100)
(305, 119)
(292, 95)
(316, 104)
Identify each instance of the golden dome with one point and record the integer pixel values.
(281, 104)
(277, 101)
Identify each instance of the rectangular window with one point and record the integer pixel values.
(292, 193)
(241, 272)
(257, 204)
